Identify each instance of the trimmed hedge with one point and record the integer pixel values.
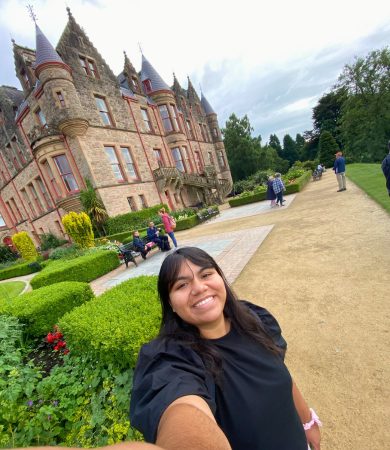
(185, 224)
(132, 220)
(290, 189)
(112, 327)
(299, 184)
(238, 201)
(40, 310)
(18, 270)
(85, 268)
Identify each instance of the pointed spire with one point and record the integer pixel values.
(45, 52)
(176, 84)
(191, 93)
(206, 106)
(148, 72)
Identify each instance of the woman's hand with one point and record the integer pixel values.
(313, 436)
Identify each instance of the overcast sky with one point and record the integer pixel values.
(270, 60)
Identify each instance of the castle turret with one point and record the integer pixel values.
(24, 61)
(155, 87)
(212, 119)
(131, 76)
(60, 103)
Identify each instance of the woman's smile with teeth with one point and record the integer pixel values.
(203, 302)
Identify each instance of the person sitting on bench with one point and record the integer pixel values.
(139, 244)
(155, 236)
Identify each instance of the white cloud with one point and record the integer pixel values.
(235, 49)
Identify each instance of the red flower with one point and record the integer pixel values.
(58, 335)
(56, 348)
(50, 338)
(61, 344)
(66, 351)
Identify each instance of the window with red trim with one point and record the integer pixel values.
(221, 159)
(147, 86)
(37, 200)
(41, 118)
(66, 173)
(44, 193)
(159, 158)
(132, 204)
(189, 129)
(115, 165)
(2, 222)
(13, 157)
(29, 202)
(198, 162)
(129, 163)
(178, 159)
(15, 210)
(175, 120)
(146, 118)
(143, 201)
(89, 67)
(103, 110)
(18, 150)
(187, 160)
(53, 181)
(166, 119)
(59, 228)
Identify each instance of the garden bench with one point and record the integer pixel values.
(129, 253)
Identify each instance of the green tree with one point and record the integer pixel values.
(299, 145)
(241, 148)
(365, 120)
(275, 143)
(327, 113)
(94, 207)
(289, 150)
(310, 149)
(327, 149)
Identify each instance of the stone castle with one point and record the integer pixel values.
(139, 141)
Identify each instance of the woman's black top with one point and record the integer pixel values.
(254, 405)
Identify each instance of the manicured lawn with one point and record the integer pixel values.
(11, 289)
(369, 177)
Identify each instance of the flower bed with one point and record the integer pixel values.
(85, 268)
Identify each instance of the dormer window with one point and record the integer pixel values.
(26, 81)
(147, 86)
(89, 67)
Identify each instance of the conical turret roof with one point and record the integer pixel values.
(206, 106)
(45, 52)
(148, 72)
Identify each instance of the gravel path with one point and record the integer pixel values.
(324, 271)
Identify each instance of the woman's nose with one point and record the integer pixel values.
(197, 286)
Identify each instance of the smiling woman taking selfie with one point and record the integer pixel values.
(215, 377)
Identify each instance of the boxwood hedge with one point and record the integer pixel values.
(40, 310)
(113, 326)
(132, 220)
(18, 270)
(85, 268)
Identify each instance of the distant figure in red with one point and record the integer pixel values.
(166, 220)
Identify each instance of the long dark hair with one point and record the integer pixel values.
(174, 327)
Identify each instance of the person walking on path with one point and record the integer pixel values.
(225, 358)
(270, 192)
(278, 187)
(386, 168)
(339, 170)
(167, 222)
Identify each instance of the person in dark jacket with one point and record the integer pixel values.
(339, 170)
(386, 169)
(140, 245)
(154, 235)
(270, 192)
